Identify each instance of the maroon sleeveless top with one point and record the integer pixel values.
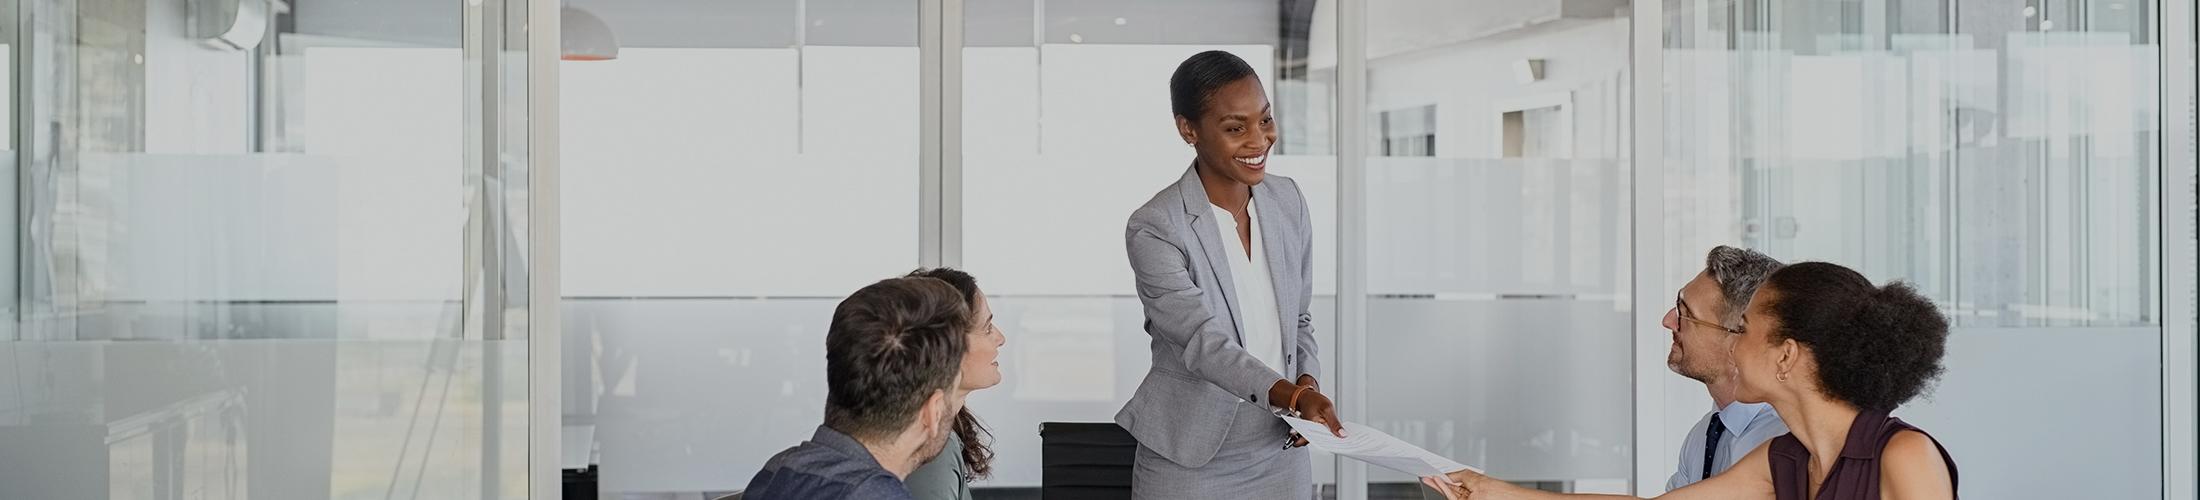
(1856, 475)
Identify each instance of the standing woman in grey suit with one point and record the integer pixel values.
(1223, 264)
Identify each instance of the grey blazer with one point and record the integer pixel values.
(1183, 408)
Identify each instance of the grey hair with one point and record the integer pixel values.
(1738, 271)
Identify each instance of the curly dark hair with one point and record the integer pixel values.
(976, 452)
(1876, 347)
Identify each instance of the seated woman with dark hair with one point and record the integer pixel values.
(968, 458)
(1834, 355)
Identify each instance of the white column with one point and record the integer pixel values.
(545, 332)
(1647, 158)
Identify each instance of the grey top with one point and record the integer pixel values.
(830, 466)
(943, 478)
(1184, 408)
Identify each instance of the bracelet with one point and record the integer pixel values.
(1294, 405)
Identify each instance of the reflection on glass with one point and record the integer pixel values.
(2003, 161)
(245, 254)
(2001, 156)
(1498, 236)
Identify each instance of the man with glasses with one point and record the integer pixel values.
(1706, 318)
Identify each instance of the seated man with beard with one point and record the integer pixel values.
(892, 359)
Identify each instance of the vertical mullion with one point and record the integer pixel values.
(1647, 154)
(939, 184)
(545, 334)
(1352, 142)
(950, 132)
(485, 80)
(929, 178)
(2180, 449)
(21, 79)
(481, 45)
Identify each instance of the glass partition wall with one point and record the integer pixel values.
(2003, 156)
(731, 175)
(1529, 177)
(697, 298)
(1497, 223)
(1066, 129)
(267, 249)
(294, 249)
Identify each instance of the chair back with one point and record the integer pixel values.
(1085, 461)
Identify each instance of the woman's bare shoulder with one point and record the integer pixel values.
(1911, 468)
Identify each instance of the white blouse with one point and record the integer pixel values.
(1259, 323)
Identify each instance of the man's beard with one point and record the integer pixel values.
(1685, 367)
(938, 443)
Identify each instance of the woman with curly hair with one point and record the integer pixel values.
(967, 457)
(1834, 355)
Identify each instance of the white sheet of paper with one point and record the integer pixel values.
(1366, 444)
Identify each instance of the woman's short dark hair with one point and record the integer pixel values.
(1877, 347)
(976, 453)
(890, 346)
(1198, 78)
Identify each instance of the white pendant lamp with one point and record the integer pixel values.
(584, 37)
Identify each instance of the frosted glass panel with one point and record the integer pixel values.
(739, 172)
(2111, 393)
(1498, 283)
(281, 418)
(244, 262)
(1095, 117)
(1499, 228)
(1488, 228)
(1528, 389)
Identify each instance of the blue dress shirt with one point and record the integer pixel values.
(1747, 426)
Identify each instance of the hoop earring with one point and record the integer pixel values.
(1783, 376)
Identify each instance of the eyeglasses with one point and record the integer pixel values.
(1680, 309)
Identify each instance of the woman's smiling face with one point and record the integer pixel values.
(981, 366)
(1235, 131)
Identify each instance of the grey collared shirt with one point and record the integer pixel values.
(1747, 426)
(830, 466)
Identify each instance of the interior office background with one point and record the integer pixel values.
(314, 257)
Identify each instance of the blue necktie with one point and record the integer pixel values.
(1711, 443)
